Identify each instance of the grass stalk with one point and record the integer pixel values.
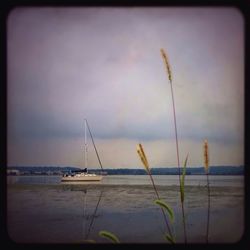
(144, 160)
(165, 59)
(206, 166)
(208, 208)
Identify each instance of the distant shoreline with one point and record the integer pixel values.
(54, 170)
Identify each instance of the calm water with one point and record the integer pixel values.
(162, 180)
(41, 209)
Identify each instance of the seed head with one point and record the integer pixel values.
(143, 157)
(165, 59)
(206, 156)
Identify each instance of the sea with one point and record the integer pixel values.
(44, 210)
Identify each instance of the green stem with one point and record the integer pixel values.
(178, 161)
(208, 208)
(163, 212)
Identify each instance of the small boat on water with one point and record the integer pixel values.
(83, 175)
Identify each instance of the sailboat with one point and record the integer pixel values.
(83, 175)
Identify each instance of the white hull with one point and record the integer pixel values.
(82, 178)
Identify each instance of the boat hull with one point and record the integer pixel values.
(82, 178)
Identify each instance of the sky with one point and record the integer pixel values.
(66, 64)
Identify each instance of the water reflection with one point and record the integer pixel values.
(75, 213)
(88, 218)
(91, 217)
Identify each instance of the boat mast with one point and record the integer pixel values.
(93, 144)
(85, 145)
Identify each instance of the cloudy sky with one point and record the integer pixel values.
(104, 64)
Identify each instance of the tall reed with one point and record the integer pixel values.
(168, 69)
(206, 167)
(144, 160)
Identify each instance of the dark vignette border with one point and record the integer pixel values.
(5, 9)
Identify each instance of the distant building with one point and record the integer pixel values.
(13, 172)
(25, 173)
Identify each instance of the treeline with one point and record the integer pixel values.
(215, 170)
(43, 168)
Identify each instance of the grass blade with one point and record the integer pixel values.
(170, 239)
(165, 206)
(109, 236)
(183, 179)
